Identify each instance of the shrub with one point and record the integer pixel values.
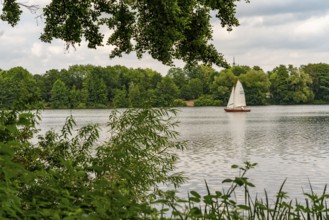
(68, 176)
(207, 100)
(179, 103)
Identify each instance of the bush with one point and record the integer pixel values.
(207, 100)
(81, 105)
(68, 176)
(179, 103)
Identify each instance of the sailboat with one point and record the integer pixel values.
(237, 101)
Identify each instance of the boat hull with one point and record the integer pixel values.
(237, 109)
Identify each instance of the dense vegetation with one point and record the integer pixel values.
(101, 87)
(68, 175)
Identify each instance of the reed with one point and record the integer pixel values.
(225, 205)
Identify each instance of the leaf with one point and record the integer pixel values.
(194, 199)
(195, 194)
(196, 211)
(227, 181)
(218, 194)
(244, 207)
(239, 181)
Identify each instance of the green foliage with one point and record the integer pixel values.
(19, 90)
(196, 88)
(299, 83)
(120, 99)
(290, 86)
(8, 93)
(178, 75)
(138, 152)
(319, 74)
(166, 29)
(11, 12)
(279, 85)
(166, 91)
(137, 96)
(179, 103)
(96, 90)
(74, 97)
(68, 175)
(59, 95)
(256, 84)
(222, 85)
(16, 129)
(239, 70)
(225, 205)
(207, 100)
(100, 87)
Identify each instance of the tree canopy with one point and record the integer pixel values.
(166, 29)
(88, 86)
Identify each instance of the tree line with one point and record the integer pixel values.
(88, 86)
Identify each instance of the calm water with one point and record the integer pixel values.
(286, 141)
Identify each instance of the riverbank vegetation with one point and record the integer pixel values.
(69, 175)
(120, 87)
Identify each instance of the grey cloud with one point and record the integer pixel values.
(270, 7)
(266, 37)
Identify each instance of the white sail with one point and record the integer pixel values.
(230, 103)
(239, 97)
(237, 101)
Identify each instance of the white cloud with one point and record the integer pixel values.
(271, 33)
(314, 26)
(36, 50)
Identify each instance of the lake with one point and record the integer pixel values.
(286, 141)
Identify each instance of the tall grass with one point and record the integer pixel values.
(225, 205)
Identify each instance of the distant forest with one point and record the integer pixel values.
(88, 86)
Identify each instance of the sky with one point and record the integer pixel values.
(271, 33)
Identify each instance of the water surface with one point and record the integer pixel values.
(286, 141)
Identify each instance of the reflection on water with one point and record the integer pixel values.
(286, 141)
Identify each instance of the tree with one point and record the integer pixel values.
(134, 95)
(186, 92)
(290, 85)
(222, 85)
(120, 99)
(279, 88)
(319, 74)
(179, 76)
(196, 88)
(18, 90)
(59, 95)
(75, 98)
(8, 93)
(256, 84)
(205, 74)
(299, 85)
(166, 92)
(239, 70)
(165, 29)
(96, 90)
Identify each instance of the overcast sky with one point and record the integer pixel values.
(270, 33)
